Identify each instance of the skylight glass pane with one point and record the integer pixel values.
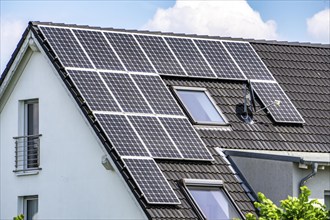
(200, 106)
(214, 203)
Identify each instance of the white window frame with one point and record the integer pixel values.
(23, 132)
(327, 198)
(22, 204)
(208, 95)
(207, 184)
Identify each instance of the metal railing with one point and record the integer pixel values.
(27, 153)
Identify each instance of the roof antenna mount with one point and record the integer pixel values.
(275, 103)
(247, 115)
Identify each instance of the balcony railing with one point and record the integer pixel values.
(27, 153)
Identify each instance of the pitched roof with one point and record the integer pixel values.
(304, 74)
(302, 69)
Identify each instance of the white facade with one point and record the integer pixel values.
(278, 179)
(73, 183)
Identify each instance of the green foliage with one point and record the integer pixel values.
(291, 208)
(19, 217)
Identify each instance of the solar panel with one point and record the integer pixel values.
(157, 94)
(160, 55)
(93, 90)
(189, 56)
(186, 138)
(122, 136)
(151, 181)
(125, 91)
(98, 49)
(268, 93)
(154, 137)
(129, 52)
(219, 59)
(248, 60)
(66, 47)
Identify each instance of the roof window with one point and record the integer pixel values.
(199, 105)
(210, 199)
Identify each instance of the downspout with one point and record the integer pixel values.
(306, 178)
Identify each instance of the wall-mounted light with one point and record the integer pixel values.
(106, 163)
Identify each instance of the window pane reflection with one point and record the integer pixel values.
(214, 203)
(199, 106)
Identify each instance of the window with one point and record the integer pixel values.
(27, 145)
(32, 132)
(30, 207)
(212, 200)
(327, 199)
(200, 106)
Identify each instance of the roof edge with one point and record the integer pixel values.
(251, 40)
(16, 51)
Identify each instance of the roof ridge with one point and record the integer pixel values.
(251, 40)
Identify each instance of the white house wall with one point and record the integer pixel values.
(73, 184)
(317, 184)
(278, 179)
(273, 178)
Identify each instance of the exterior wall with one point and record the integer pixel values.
(317, 184)
(73, 184)
(273, 178)
(278, 179)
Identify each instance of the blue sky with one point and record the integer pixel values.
(280, 20)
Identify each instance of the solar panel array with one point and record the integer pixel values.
(66, 47)
(151, 181)
(160, 55)
(91, 87)
(117, 75)
(248, 60)
(189, 56)
(158, 96)
(269, 92)
(221, 62)
(122, 135)
(98, 50)
(129, 52)
(126, 92)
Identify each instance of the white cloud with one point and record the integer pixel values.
(11, 32)
(223, 18)
(318, 26)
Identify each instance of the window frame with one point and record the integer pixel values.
(26, 103)
(327, 199)
(188, 113)
(23, 154)
(23, 203)
(206, 184)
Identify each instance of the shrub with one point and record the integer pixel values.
(291, 208)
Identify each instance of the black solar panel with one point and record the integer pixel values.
(186, 138)
(66, 47)
(219, 59)
(160, 55)
(151, 181)
(248, 60)
(125, 91)
(122, 136)
(268, 93)
(154, 137)
(157, 94)
(98, 49)
(93, 90)
(129, 52)
(189, 56)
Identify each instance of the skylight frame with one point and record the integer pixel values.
(184, 185)
(188, 112)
